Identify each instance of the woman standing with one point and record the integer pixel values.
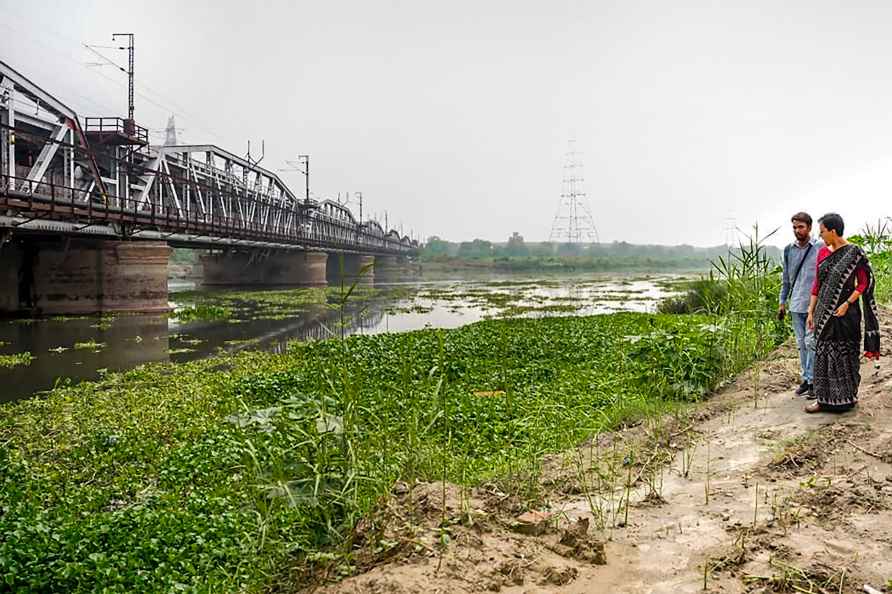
(834, 312)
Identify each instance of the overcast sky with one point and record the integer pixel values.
(454, 116)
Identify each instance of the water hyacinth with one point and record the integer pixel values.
(218, 474)
(16, 359)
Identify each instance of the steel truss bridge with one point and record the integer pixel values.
(100, 177)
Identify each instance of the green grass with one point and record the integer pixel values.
(221, 475)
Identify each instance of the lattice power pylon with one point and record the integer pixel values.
(573, 222)
(170, 133)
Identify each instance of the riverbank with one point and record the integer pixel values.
(742, 493)
(244, 472)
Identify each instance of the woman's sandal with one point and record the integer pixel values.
(814, 407)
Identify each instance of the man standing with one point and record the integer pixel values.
(800, 264)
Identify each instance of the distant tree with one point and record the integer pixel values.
(479, 248)
(516, 246)
(434, 246)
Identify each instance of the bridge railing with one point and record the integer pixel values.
(37, 200)
(126, 131)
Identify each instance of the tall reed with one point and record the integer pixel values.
(877, 242)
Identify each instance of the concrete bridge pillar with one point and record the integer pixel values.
(10, 265)
(81, 276)
(351, 268)
(390, 269)
(296, 268)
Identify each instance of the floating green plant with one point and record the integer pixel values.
(202, 311)
(89, 345)
(16, 360)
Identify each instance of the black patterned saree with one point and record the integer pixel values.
(838, 338)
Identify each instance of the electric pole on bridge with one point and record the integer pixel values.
(130, 126)
(305, 160)
(302, 165)
(129, 48)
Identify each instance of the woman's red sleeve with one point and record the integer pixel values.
(861, 277)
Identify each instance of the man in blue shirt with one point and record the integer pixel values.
(800, 263)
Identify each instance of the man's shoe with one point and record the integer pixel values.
(810, 393)
(803, 388)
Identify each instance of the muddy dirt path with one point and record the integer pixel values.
(742, 493)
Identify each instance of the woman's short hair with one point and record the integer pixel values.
(802, 217)
(833, 222)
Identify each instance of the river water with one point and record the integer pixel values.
(78, 348)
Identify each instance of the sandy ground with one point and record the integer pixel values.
(743, 493)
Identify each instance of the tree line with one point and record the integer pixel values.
(518, 254)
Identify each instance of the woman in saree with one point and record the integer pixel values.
(844, 280)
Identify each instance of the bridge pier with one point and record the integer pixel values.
(82, 276)
(390, 269)
(357, 268)
(232, 268)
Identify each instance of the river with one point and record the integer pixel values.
(72, 349)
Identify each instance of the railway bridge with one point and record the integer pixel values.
(89, 212)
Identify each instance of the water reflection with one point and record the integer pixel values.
(78, 349)
(86, 348)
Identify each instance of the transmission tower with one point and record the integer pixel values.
(573, 222)
(170, 133)
(730, 228)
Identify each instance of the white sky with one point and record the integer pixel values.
(454, 115)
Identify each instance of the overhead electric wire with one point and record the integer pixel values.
(30, 30)
(107, 60)
(142, 95)
(102, 107)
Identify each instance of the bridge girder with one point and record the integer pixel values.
(133, 188)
